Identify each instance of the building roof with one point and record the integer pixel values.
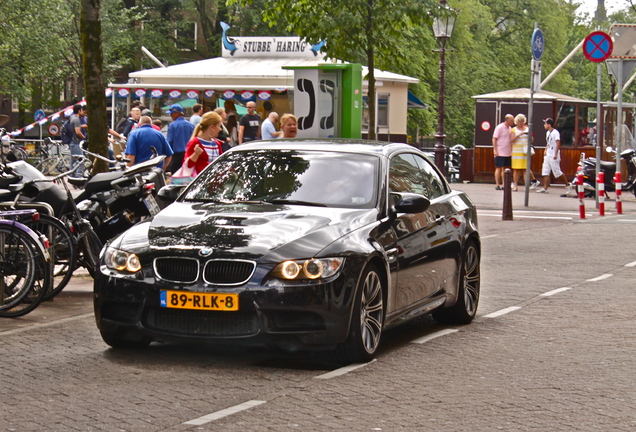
(222, 73)
(523, 94)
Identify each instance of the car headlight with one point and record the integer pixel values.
(121, 260)
(314, 268)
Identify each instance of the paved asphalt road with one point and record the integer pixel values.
(552, 349)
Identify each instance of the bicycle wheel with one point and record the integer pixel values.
(24, 273)
(62, 250)
(49, 166)
(90, 246)
(18, 153)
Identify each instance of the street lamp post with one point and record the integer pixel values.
(443, 25)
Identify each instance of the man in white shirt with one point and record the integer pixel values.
(268, 130)
(552, 157)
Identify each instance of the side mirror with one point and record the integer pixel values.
(170, 193)
(410, 203)
(609, 149)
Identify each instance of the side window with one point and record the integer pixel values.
(433, 183)
(411, 173)
(405, 175)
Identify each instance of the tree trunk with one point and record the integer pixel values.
(93, 59)
(371, 74)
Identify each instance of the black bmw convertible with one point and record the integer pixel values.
(299, 243)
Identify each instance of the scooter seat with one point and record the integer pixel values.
(608, 165)
(101, 182)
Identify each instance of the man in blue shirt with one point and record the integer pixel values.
(179, 133)
(140, 141)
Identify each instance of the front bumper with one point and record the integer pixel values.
(270, 311)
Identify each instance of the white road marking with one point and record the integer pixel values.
(599, 278)
(626, 220)
(224, 413)
(343, 370)
(490, 236)
(556, 291)
(502, 312)
(631, 264)
(47, 324)
(432, 336)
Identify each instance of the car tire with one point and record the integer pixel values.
(468, 290)
(127, 340)
(365, 330)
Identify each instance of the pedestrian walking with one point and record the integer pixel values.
(552, 157)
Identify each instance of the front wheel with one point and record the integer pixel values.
(91, 246)
(464, 311)
(365, 330)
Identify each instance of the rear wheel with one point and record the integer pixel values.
(365, 330)
(62, 250)
(464, 311)
(24, 273)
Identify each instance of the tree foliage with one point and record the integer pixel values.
(489, 51)
(367, 31)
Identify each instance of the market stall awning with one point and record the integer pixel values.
(185, 103)
(415, 103)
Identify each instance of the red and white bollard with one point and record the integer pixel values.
(581, 191)
(600, 193)
(619, 203)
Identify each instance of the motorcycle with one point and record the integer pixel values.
(112, 201)
(587, 167)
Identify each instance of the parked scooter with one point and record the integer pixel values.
(588, 168)
(112, 201)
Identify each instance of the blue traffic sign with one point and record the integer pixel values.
(597, 46)
(537, 44)
(39, 115)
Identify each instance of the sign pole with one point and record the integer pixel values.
(537, 44)
(597, 47)
(598, 122)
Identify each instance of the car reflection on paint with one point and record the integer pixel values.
(303, 244)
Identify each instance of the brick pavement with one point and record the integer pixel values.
(560, 363)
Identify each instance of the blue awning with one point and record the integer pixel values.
(415, 103)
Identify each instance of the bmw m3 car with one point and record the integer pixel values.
(314, 244)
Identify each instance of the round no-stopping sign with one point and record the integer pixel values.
(597, 46)
(54, 129)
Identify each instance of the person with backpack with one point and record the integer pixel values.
(79, 126)
(135, 115)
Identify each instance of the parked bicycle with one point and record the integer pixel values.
(55, 157)
(28, 188)
(88, 243)
(9, 150)
(25, 274)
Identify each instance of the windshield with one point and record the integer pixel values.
(318, 178)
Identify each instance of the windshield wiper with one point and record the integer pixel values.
(286, 201)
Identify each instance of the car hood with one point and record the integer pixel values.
(254, 230)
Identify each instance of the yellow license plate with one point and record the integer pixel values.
(198, 301)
